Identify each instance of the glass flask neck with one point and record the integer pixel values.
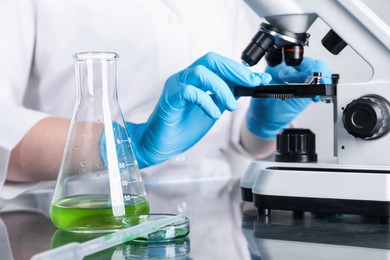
(96, 75)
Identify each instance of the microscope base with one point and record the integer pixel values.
(319, 188)
(265, 203)
(246, 194)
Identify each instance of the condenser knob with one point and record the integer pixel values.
(296, 145)
(367, 117)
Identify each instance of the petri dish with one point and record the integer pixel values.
(170, 242)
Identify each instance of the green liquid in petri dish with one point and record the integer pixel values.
(93, 213)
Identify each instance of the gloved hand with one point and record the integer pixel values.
(267, 116)
(186, 110)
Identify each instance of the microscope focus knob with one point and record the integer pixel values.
(367, 117)
(296, 145)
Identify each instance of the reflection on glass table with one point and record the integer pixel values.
(213, 206)
(222, 227)
(285, 235)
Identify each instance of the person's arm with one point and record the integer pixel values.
(183, 115)
(191, 102)
(38, 155)
(258, 147)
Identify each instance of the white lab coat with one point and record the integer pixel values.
(154, 39)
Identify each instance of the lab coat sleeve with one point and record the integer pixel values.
(17, 27)
(5, 246)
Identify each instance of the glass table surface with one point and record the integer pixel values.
(222, 226)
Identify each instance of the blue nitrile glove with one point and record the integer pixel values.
(267, 116)
(186, 110)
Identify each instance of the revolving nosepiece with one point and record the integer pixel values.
(276, 45)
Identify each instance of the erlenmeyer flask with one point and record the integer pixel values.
(99, 182)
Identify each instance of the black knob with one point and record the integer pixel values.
(296, 145)
(333, 42)
(367, 117)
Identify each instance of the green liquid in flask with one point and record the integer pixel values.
(93, 213)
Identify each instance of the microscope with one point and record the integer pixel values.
(357, 181)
